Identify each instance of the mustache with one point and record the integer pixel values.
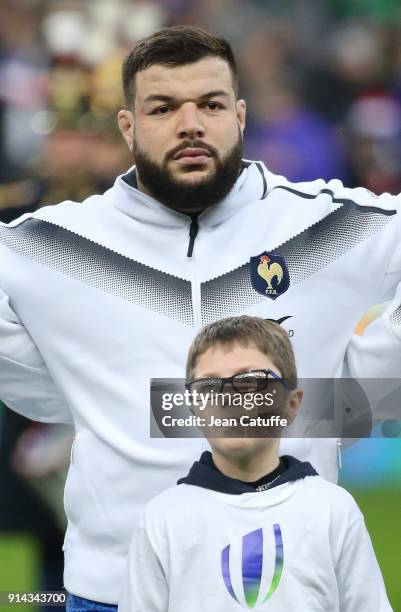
(191, 144)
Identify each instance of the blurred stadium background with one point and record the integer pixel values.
(323, 85)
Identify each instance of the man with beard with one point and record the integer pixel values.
(97, 298)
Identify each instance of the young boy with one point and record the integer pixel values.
(245, 528)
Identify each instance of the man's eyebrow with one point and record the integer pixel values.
(214, 94)
(206, 96)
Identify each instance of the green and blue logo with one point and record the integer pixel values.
(252, 565)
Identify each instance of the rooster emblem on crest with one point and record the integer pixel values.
(268, 272)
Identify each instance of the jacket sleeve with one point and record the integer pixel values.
(359, 580)
(25, 383)
(145, 587)
(374, 360)
(376, 354)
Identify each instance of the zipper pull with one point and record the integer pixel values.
(340, 464)
(193, 232)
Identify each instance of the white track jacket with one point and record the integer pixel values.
(98, 297)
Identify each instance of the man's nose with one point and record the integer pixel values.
(190, 123)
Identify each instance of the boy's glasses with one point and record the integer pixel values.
(253, 381)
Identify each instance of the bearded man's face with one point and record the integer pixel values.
(187, 133)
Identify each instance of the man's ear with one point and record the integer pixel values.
(293, 404)
(241, 114)
(125, 120)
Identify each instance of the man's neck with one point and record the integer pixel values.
(250, 467)
(141, 187)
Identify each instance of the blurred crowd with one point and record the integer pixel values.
(323, 86)
(322, 81)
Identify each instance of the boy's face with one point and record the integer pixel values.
(226, 361)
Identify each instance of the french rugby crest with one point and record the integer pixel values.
(269, 275)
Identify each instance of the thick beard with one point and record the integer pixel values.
(189, 197)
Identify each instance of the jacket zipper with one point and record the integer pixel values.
(196, 298)
(193, 232)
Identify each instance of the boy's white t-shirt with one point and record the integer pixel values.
(301, 545)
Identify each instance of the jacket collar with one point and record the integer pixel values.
(251, 185)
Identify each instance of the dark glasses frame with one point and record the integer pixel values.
(240, 376)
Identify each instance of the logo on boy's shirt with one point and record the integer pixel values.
(251, 569)
(269, 275)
